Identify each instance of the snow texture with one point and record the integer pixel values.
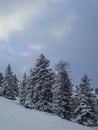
(15, 117)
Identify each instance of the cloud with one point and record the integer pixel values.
(57, 0)
(31, 27)
(18, 16)
(10, 22)
(65, 26)
(35, 47)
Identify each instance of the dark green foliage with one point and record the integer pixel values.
(43, 85)
(7, 85)
(22, 90)
(1, 79)
(30, 91)
(85, 112)
(62, 92)
(15, 82)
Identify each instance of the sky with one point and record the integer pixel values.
(60, 29)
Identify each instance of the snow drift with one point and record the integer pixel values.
(15, 117)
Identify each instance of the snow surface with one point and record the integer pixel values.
(15, 117)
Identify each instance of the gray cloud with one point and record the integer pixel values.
(60, 29)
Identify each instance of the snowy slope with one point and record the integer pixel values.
(15, 117)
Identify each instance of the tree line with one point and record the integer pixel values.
(52, 91)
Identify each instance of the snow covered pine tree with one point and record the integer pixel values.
(43, 78)
(30, 90)
(62, 92)
(22, 90)
(7, 86)
(15, 82)
(85, 112)
(1, 82)
(1, 79)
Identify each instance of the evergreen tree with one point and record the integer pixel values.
(97, 106)
(22, 90)
(30, 90)
(7, 85)
(43, 78)
(96, 94)
(85, 112)
(62, 92)
(1, 79)
(76, 97)
(1, 82)
(96, 91)
(16, 89)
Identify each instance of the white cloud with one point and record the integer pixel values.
(19, 16)
(10, 22)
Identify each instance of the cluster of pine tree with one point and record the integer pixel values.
(53, 92)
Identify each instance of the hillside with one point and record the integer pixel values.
(14, 117)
